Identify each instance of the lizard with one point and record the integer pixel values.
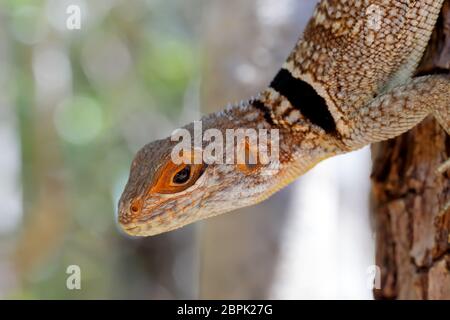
(347, 83)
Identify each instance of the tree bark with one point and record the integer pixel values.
(413, 231)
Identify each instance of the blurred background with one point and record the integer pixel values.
(76, 104)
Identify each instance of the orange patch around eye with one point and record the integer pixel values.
(250, 153)
(165, 182)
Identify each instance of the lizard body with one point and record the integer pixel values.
(346, 84)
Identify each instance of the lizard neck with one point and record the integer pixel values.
(301, 144)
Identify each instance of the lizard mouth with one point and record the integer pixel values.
(132, 229)
(151, 226)
(146, 230)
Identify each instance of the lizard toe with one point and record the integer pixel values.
(445, 208)
(443, 168)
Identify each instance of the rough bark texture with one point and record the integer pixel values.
(413, 232)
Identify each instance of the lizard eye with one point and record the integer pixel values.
(182, 176)
(176, 178)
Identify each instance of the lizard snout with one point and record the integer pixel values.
(129, 211)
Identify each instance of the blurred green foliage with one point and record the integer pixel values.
(128, 68)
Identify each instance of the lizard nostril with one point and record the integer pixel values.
(135, 206)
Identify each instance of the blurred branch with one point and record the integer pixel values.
(46, 214)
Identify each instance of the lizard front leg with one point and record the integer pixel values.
(398, 110)
(442, 114)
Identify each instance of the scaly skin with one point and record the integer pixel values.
(346, 84)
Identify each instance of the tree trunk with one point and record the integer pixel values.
(413, 232)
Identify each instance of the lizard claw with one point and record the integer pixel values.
(444, 167)
(444, 210)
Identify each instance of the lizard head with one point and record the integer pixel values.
(162, 195)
